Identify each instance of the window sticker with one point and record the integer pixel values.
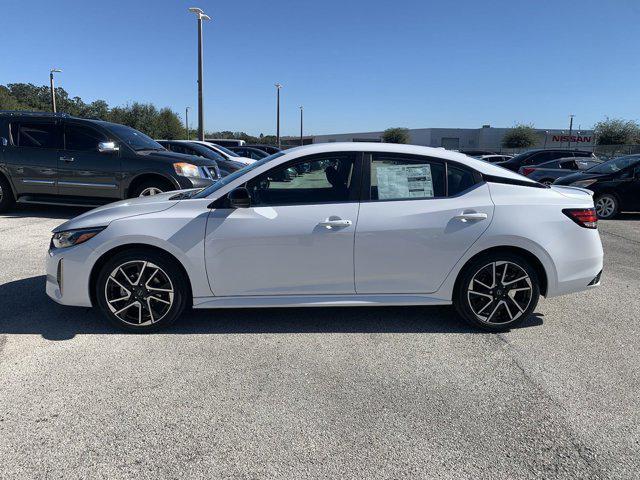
(404, 181)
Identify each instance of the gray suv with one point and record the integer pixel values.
(59, 159)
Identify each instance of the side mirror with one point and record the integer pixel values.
(108, 147)
(239, 198)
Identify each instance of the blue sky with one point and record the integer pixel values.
(355, 65)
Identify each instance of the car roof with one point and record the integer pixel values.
(440, 153)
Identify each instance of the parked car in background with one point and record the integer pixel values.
(249, 152)
(494, 158)
(382, 224)
(615, 185)
(270, 149)
(59, 159)
(190, 147)
(548, 172)
(226, 153)
(538, 156)
(226, 142)
(475, 152)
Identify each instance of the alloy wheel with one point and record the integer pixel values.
(499, 292)
(139, 293)
(605, 206)
(150, 191)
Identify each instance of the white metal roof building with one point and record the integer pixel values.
(485, 138)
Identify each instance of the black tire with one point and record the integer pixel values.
(519, 304)
(158, 184)
(607, 206)
(129, 318)
(7, 201)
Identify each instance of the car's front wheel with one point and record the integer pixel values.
(141, 290)
(151, 187)
(607, 206)
(497, 292)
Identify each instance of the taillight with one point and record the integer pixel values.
(526, 171)
(585, 217)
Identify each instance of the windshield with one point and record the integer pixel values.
(226, 150)
(237, 174)
(615, 165)
(135, 139)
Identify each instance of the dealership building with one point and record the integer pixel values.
(485, 138)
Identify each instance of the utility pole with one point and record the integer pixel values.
(186, 122)
(570, 128)
(301, 117)
(278, 87)
(201, 16)
(53, 88)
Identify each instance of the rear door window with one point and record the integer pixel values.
(47, 135)
(405, 177)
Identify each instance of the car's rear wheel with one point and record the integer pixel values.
(141, 290)
(607, 206)
(497, 292)
(6, 195)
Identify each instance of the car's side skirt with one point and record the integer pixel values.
(316, 301)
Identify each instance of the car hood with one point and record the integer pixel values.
(173, 157)
(242, 160)
(103, 216)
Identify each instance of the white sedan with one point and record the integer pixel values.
(364, 224)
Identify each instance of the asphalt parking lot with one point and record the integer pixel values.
(308, 393)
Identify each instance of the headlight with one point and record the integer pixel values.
(584, 183)
(74, 237)
(188, 170)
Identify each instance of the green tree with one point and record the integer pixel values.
(520, 136)
(169, 126)
(395, 135)
(616, 131)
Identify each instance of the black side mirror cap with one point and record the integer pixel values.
(239, 198)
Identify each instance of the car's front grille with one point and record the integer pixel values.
(212, 172)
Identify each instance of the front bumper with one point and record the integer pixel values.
(68, 271)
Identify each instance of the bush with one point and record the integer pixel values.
(520, 136)
(395, 135)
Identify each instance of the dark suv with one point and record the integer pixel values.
(536, 157)
(59, 159)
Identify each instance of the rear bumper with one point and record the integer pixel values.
(579, 266)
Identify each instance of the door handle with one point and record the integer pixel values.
(67, 159)
(471, 216)
(337, 223)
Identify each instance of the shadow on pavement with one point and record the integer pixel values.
(27, 310)
(44, 211)
(627, 216)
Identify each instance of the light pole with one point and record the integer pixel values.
(186, 121)
(53, 88)
(278, 87)
(570, 128)
(546, 134)
(301, 116)
(201, 16)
